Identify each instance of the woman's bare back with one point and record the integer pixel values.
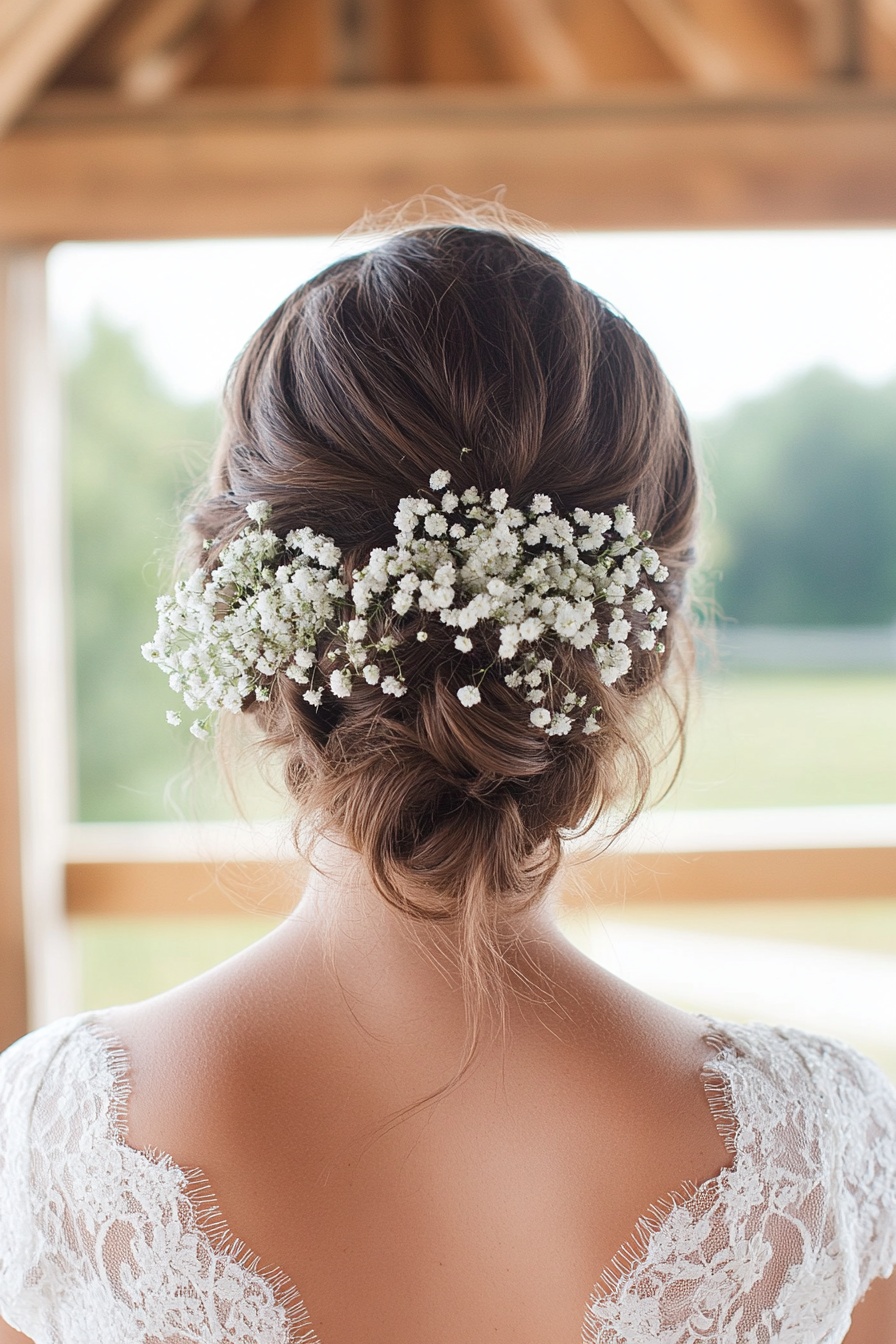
(490, 1214)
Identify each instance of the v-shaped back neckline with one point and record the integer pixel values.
(209, 1221)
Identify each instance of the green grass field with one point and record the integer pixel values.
(757, 741)
(790, 740)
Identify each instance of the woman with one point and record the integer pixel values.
(443, 565)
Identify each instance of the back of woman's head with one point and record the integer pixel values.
(470, 350)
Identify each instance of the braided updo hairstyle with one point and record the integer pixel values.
(469, 349)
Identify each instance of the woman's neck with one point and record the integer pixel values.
(345, 944)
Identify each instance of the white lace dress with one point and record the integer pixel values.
(102, 1244)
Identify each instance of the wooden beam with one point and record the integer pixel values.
(883, 13)
(182, 887)
(168, 42)
(538, 47)
(13, 975)
(836, 37)
(38, 45)
(702, 60)
(13, 14)
(210, 166)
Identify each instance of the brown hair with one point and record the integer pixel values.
(470, 349)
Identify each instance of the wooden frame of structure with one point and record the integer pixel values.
(191, 118)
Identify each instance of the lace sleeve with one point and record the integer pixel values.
(865, 1101)
(22, 1069)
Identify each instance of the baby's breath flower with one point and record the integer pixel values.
(173, 718)
(199, 730)
(341, 682)
(530, 574)
(559, 725)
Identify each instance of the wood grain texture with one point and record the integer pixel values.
(214, 166)
(38, 45)
(13, 995)
(188, 888)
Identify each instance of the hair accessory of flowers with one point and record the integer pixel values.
(471, 563)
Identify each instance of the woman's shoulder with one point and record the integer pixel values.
(810, 1067)
(816, 1115)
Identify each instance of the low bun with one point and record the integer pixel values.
(471, 350)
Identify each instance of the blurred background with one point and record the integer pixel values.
(724, 172)
(783, 347)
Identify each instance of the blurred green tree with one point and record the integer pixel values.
(805, 501)
(803, 534)
(133, 454)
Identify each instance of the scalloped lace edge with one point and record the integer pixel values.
(207, 1218)
(208, 1221)
(635, 1249)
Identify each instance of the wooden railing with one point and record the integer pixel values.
(782, 854)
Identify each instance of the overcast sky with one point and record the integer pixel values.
(729, 314)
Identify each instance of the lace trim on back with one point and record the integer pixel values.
(633, 1252)
(201, 1215)
(100, 1240)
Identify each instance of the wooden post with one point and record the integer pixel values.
(38, 982)
(13, 995)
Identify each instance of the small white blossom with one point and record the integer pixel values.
(540, 717)
(422, 636)
(559, 725)
(199, 730)
(173, 718)
(341, 682)
(590, 725)
(313, 697)
(530, 573)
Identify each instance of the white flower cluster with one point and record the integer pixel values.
(539, 577)
(223, 634)
(470, 562)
